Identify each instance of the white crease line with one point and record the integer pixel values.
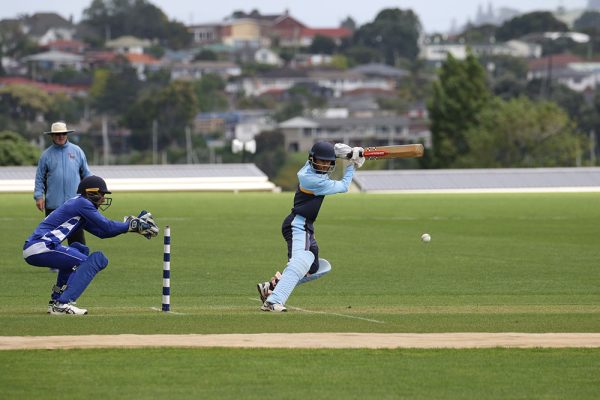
(168, 312)
(329, 313)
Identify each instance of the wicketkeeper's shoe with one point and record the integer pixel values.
(273, 307)
(59, 308)
(51, 303)
(264, 290)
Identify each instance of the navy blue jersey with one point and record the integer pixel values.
(77, 212)
(313, 187)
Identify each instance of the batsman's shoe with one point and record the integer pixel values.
(273, 307)
(58, 309)
(264, 290)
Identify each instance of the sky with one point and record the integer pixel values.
(435, 16)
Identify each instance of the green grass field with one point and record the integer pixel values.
(496, 263)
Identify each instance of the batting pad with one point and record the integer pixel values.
(324, 268)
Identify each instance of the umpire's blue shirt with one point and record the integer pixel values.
(59, 172)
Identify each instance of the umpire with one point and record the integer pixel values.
(60, 169)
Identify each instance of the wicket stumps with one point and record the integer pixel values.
(166, 292)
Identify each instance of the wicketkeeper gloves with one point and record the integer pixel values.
(143, 224)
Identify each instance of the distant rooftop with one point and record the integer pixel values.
(181, 177)
(480, 180)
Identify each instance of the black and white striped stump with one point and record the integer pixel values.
(166, 292)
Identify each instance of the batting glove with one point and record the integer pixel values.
(357, 157)
(342, 150)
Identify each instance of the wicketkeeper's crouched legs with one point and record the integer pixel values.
(82, 276)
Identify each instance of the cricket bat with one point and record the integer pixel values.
(395, 151)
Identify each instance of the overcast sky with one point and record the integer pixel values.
(434, 15)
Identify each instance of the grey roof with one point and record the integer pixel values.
(354, 121)
(54, 56)
(376, 69)
(151, 171)
(196, 177)
(480, 180)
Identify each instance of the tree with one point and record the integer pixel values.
(521, 133)
(394, 32)
(322, 45)
(113, 18)
(587, 20)
(534, 22)
(479, 34)
(363, 55)
(270, 152)
(14, 42)
(349, 23)
(14, 150)
(114, 90)
(173, 107)
(459, 95)
(210, 93)
(24, 102)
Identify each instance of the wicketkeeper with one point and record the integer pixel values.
(76, 266)
(314, 183)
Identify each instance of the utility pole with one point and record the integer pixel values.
(154, 142)
(105, 142)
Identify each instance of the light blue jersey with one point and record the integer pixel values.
(59, 172)
(298, 229)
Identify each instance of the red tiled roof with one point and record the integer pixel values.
(46, 87)
(141, 58)
(558, 61)
(63, 42)
(95, 56)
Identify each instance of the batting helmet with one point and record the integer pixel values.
(322, 151)
(94, 188)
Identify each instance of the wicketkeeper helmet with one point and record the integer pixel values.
(94, 188)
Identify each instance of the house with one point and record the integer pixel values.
(128, 44)
(99, 58)
(267, 56)
(311, 60)
(246, 33)
(300, 133)
(290, 32)
(338, 82)
(240, 124)
(54, 60)
(197, 69)
(255, 30)
(348, 81)
(568, 69)
(67, 46)
(143, 63)
(437, 52)
(208, 33)
(44, 28)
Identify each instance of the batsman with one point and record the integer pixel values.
(314, 183)
(76, 266)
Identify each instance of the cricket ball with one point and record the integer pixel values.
(426, 238)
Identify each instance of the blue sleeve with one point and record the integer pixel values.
(98, 225)
(84, 169)
(40, 177)
(321, 185)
